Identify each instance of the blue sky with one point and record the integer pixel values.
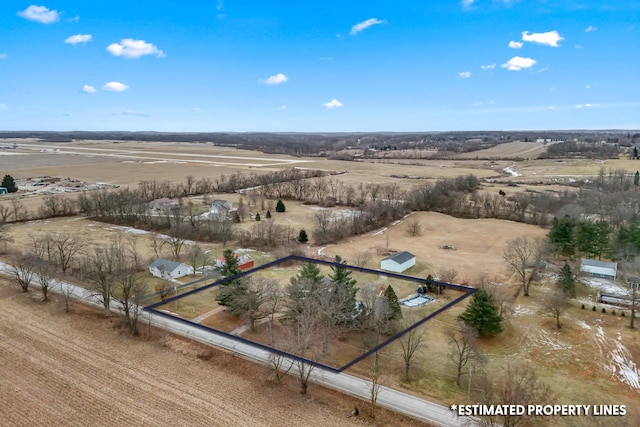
(225, 65)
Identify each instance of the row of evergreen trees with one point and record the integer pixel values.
(309, 293)
(599, 239)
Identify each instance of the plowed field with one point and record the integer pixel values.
(76, 369)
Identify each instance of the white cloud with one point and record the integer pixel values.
(586, 105)
(276, 79)
(115, 87)
(4, 107)
(550, 38)
(518, 63)
(79, 38)
(130, 48)
(587, 86)
(88, 89)
(590, 28)
(74, 19)
(334, 103)
(465, 74)
(515, 45)
(488, 67)
(40, 14)
(282, 108)
(468, 3)
(134, 113)
(3, 56)
(364, 25)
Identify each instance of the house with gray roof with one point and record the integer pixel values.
(398, 262)
(166, 269)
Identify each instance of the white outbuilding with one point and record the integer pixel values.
(603, 269)
(166, 269)
(398, 262)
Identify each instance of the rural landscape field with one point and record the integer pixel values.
(591, 359)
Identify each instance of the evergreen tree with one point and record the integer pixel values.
(280, 206)
(394, 304)
(230, 290)
(567, 281)
(302, 236)
(562, 235)
(342, 300)
(482, 315)
(302, 287)
(268, 214)
(9, 183)
(258, 216)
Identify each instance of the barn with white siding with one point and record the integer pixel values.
(603, 269)
(398, 262)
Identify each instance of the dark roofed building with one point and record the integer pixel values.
(398, 262)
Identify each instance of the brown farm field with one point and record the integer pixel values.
(77, 369)
(593, 359)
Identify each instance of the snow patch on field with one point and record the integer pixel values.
(622, 366)
(520, 310)
(379, 232)
(605, 286)
(510, 171)
(545, 338)
(583, 324)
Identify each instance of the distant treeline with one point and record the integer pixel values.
(329, 144)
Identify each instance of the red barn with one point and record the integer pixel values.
(244, 261)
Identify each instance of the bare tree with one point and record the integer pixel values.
(19, 212)
(46, 274)
(524, 258)
(361, 259)
(414, 227)
(67, 290)
(100, 265)
(300, 336)
(176, 243)
(23, 270)
(196, 258)
(518, 383)
(499, 294)
(66, 247)
(465, 352)
(5, 212)
(279, 366)
(128, 287)
(376, 384)
(554, 305)
(447, 275)
(156, 243)
(410, 343)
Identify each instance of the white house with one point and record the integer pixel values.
(166, 269)
(398, 262)
(220, 210)
(603, 269)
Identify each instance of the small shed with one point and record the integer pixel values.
(603, 269)
(398, 262)
(167, 269)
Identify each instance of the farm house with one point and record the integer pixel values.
(166, 269)
(602, 269)
(398, 262)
